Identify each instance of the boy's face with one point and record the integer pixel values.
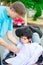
(15, 15)
(25, 39)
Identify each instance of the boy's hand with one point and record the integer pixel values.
(1, 40)
(16, 49)
(12, 48)
(34, 64)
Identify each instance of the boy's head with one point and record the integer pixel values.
(18, 8)
(25, 34)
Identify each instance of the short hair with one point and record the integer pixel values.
(19, 7)
(27, 32)
(24, 32)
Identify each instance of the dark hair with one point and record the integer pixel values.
(24, 32)
(19, 8)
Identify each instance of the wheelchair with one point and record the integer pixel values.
(11, 54)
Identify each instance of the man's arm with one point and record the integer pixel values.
(12, 48)
(11, 37)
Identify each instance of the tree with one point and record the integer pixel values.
(38, 8)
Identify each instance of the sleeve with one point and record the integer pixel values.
(1, 28)
(10, 27)
(32, 60)
(35, 56)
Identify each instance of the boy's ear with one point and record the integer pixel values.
(12, 9)
(8, 10)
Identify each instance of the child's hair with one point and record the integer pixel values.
(27, 32)
(19, 8)
(24, 32)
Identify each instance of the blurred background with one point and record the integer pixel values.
(33, 16)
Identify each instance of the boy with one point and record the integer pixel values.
(36, 33)
(29, 53)
(17, 9)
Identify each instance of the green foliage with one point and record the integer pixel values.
(38, 12)
(37, 1)
(28, 3)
